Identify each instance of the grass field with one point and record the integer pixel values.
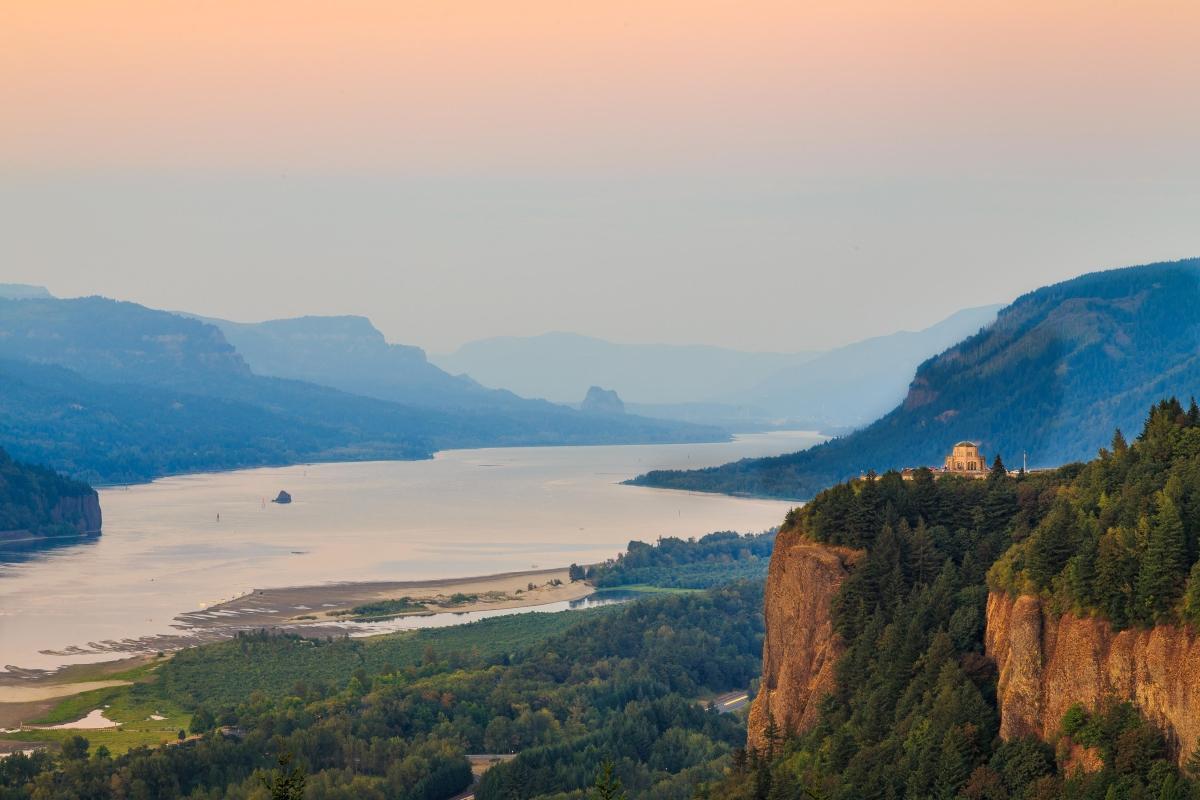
(225, 673)
(132, 707)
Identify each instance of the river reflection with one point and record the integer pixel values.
(185, 543)
(16, 551)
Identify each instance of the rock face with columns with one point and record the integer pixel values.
(801, 648)
(1048, 662)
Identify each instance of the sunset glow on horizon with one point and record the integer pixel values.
(430, 85)
(539, 149)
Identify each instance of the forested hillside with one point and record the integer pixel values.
(1124, 541)
(711, 560)
(1053, 376)
(115, 392)
(393, 716)
(914, 713)
(40, 501)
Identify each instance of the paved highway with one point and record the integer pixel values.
(731, 701)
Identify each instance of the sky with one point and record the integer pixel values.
(760, 175)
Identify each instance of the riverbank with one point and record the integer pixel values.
(329, 610)
(315, 606)
(314, 611)
(184, 545)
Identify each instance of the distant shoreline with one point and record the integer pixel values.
(341, 459)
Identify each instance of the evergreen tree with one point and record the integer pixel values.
(762, 779)
(608, 785)
(286, 784)
(1193, 763)
(1191, 597)
(740, 760)
(953, 767)
(1119, 446)
(998, 470)
(1052, 544)
(772, 736)
(865, 514)
(924, 561)
(1164, 564)
(1000, 505)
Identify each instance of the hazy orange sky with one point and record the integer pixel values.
(536, 165)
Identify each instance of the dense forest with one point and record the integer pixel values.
(621, 692)
(392, 717)
(711, 560)
(1123, 539)
(1058, 371)
(30, 499)
(914, 714)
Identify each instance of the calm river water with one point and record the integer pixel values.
(465, 512)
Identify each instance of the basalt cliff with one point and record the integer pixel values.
(37, 501)
(801, 648)
(1048, 663)
(81, 512)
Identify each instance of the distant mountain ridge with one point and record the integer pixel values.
(351, 354)
(561, 366)
(1054, 375)
(855, 384)
(841, 388)
(114, 392)
(23, 291)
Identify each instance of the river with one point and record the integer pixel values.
(164, 551)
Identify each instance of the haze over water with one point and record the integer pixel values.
(466, 512)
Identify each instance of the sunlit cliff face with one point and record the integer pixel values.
(1048, 663)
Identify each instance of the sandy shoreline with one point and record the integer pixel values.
(308, 611)
(27, 694)
(303, 607)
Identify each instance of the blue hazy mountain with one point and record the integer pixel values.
(349, 353)
(24, 291)
(844, 387)
(114, 391)
(562, 366)
(1053, 376)
(853, 385)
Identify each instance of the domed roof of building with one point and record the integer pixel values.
(965, 443)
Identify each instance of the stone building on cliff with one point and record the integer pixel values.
(966, 459)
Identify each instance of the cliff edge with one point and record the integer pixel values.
(1049, 663)
(801, 649)
(37, 501)
(82, 512)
